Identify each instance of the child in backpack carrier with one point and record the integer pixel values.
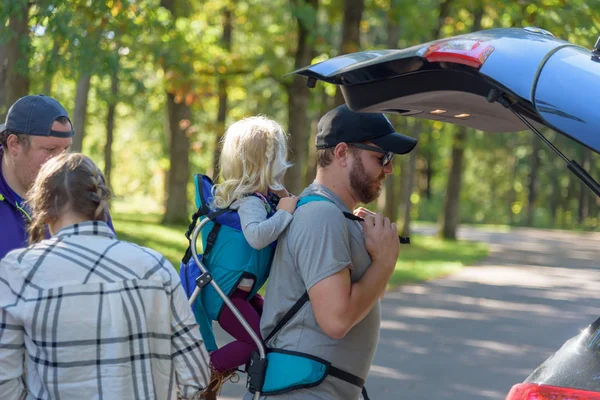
(252, 164)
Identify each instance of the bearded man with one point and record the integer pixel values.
(331, 269)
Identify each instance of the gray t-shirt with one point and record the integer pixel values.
(318, 243)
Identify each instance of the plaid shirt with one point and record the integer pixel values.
(96, 318)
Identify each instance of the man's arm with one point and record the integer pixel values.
(12, 347)
(338, 303)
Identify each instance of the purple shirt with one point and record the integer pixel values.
(14, 218)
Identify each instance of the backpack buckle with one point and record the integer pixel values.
(257, 371)
(204, 279)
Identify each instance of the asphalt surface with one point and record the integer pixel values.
(476, 333)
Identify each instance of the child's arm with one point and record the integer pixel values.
(259, 230)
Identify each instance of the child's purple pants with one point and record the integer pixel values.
(238, 352)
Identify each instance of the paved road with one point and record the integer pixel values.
(474, 334)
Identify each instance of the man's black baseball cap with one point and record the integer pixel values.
(34, 115)
(343, 125)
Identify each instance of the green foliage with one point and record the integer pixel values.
(154, 51)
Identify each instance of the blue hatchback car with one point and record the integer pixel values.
(500, 80)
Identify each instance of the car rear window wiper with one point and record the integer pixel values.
(497, 96)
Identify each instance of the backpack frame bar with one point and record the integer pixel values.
(226, 300)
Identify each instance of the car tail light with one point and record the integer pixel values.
(460, 51)
(532, 391)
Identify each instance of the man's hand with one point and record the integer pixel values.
(381, 239)
(361, 212)
(281, 192)
(288, 204)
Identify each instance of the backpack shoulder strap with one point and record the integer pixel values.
(288, 316)
(350, 216)
(202, 183)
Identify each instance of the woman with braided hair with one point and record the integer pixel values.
(97, 317)
(252, 164)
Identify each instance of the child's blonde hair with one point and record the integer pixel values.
(253, 159)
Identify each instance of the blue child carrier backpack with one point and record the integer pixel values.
(226, 254)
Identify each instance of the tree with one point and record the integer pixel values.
(353, 10)
(298, 95)
(179, 115)
(226, 41)
(536, 145)
(451, 216)
(110, 121)
(15, 64)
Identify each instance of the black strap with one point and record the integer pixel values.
(352, 217)
(346, 376)
(333, 371)
(291, 312)
(202, 211)
(365, 394)
(211, 238)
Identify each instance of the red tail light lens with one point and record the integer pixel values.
(460, 51)
(532, 391)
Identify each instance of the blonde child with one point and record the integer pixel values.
(253, 162)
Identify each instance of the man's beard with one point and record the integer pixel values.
(364, 188)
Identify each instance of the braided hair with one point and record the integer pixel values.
(253, 159)
(68, 182)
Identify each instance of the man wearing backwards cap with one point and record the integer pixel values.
(36, 129)
(344, 265)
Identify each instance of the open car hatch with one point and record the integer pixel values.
(499, 80)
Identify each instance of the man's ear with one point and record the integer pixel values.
(341, 153)
(13, 145)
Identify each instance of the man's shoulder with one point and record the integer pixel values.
(321, 208)
(316, 215)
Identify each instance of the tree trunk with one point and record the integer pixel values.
(512, 194)
(226, 40)
(179, 123)
(110, 124)
(325, 104)
(179, 115)
(80, 112)
(408, 180)
(390, 207)
(583, 211)
(17, 55)
(444, 12)
(3, 73)
(353, 10)
(50, 69)
(451, 216)
(535, 162)
(427, 154)
(298, 99)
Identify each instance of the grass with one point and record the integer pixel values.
(426, 258)
(146, 230)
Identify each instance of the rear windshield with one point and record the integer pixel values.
(566, 94)
(576, 365)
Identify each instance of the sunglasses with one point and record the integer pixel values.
(388, 155)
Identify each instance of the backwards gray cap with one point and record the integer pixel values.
(34, 115)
